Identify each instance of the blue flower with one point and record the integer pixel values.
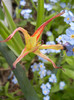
(48, 85)
(48, 72)
(53, 78)
(26, 13)
(62, 84)
(67, 13)
(42, 73)
(22, 3)
(43, 86)
(48, 6)
(14, 80)
(54, 1)
(46, 98)
(68, 19)
(34, 0)
(48, 33)
(72, 25)
(70, 36)
(69, 49)
(43, 51)
(41, 66)
(63, 5)
(45, 91)
(61, 39)
(35, 67)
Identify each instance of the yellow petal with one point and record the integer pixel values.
(45, 57)
(55, 47)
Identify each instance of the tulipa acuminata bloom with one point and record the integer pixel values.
(32, 43)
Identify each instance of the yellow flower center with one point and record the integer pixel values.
(44, 91)
(35, 67)
(72, 36)
(67, 18)
(60, 37)
(73, 49)
(41, 66)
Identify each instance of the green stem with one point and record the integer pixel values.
(33, 5)
(20, 74)
(40, 13)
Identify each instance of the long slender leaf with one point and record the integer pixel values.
(12, 28)
(40, 13)
(20, 74)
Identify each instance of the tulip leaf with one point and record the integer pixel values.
(20, 74)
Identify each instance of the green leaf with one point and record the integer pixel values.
(12, 27)
(20, 74)
(1, 14)
(70, 60)
(6, 88)
(69, 73)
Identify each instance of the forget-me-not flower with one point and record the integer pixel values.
(48, 85)
(70, 36)
(68, 19)
(45, 91)
(69, 49)
(41, 66)
(42, 73)
(14, 80)
(62, 84)
(63, 5)
(48, 33)
(53, 78)
(22, 2)
(35, 67)
(48, 6)
(46, 98)
(48, 72)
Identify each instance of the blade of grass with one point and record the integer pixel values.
(20, 74)
(40, 13)
(12, 27)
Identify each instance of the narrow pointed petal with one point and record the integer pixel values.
(55, 47)
(39, 31)
(23, 53)
(18, 29)
(45, 57)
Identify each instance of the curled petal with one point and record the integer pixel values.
(23, 53)
(45, 57)
(18, 29)
(55, 47)
(39, 31)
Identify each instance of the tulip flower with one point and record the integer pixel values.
(32, 43)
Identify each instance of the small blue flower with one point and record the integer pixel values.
(35, 67)
(63, 5)
(68, 19)
(54, 1)
(43, 86)
(48, 72)
(46, 91)
(70, 36)
(43, 51)
(41, 66)
(61, 39)
(72, 25)
(48, 85)
(46, 98)
(14, 80)
(22, 3)
(67, 13)
(62, 84)
(53, 78)
(48, 6)
(34, 0)
(48, 33)
(42, 73)
(69, 49)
